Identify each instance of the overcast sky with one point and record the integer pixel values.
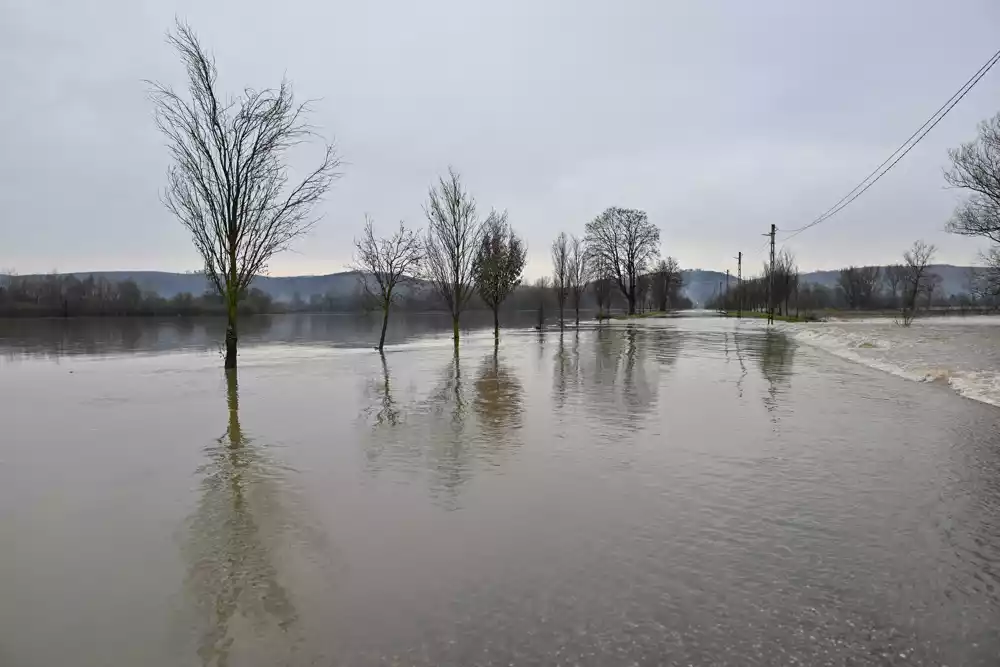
(717, 118)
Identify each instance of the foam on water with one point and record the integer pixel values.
(963, 353)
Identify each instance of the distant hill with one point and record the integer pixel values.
(699, 284)
(954, 279)
(169, 285)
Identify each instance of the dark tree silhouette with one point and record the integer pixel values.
(384, 263)
(560, 273)
(625, 241)
(229, 184)
(453, 235)
(498, 264)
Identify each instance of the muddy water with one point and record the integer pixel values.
(684, 491)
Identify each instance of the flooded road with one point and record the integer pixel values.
(679, 491)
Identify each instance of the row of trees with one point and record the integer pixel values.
(460, 256)
(68, 295)
(463, 258)
(897, 286)
(620, 249)
(230, 186)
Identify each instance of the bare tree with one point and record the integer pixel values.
(602, 282)
(560, 272)
(384, 263)
(577, 272)
(541, 287)
(976, 168)
(229, 183)
(932, 285)
(498, 264)
(626, 242)
(666, 276)
(453, 235)
(642, 289)
(894, 276)
(858, 284)
(916, 260)
(786, 279)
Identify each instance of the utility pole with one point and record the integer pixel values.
(739, 285)
(770, 280)
(727, 292)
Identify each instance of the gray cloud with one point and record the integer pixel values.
(717, 118)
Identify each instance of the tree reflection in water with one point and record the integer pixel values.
(460, 426)
(232, 579)
(775, 354)
(499, 405)
(620, 382)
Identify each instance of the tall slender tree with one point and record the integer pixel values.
(560, 273)
(916, 260)
(385, 263)
(453, 234)
(578, 272)
(498, 264)
(229, 183)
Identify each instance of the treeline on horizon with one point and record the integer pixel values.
(68, 295)
(870, 288)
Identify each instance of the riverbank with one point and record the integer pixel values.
(641, 316)
(752, 314)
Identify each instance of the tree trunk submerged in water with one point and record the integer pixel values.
(385, 324)
(454, 328)
(231, 337)
(496, 325)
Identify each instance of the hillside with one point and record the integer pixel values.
(699, 284)
(280, 288)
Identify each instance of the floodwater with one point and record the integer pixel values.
(689, 491)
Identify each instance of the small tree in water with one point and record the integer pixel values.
(453, 234)
(498, 264)
(229, 183)
(561, 273)
(384, 263)
(578, 272)
(916, 260)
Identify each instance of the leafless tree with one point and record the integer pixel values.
(560, 272)
(542, 287)
(916, 260)
(498, 264)
(932, 285)
(666, 283)
(384, 263)
(453, 236)
(602, 280)
(626, 242)
(577, 271)
(894, 276)
(976, 168)
(229, 183)
(642, 290)
(786, 279)
(858, 284)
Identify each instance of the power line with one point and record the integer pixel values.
(910, 142)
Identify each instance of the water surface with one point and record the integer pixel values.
(683, 491)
